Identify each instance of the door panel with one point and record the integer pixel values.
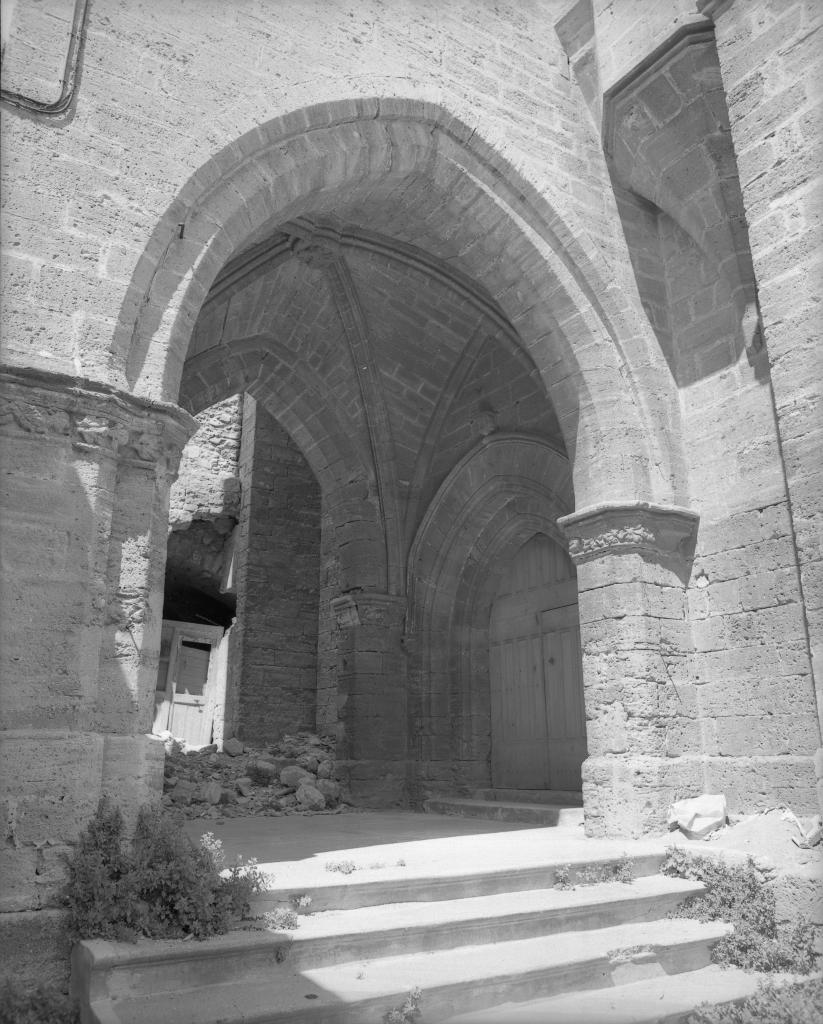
(189, 720)
(564, 696)
(537, 718)
(163, 693)
(186, 681)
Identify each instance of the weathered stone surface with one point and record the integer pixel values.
(270, 769)
(329, 788)
(183, 792)
(295, 776)
(233, 747)
(310, 798)
(309, 762)
(211, 793)
(245, 786)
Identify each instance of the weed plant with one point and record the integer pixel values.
(281, 919)
(562, 877)
(408, 1012)
(798, 1003)
(160, 885)
(739, 895)
(621, 870)
(345, 867)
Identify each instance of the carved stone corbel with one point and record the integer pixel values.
(95, 419)
(659, 531)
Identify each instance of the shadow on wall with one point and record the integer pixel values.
(673, 167)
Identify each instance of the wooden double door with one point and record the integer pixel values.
(538, 722)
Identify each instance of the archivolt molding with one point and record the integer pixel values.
(335, 148)
(499, 471)
(94, 419)
(656, 530)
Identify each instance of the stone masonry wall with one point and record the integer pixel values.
(208, 485)
(459, 128)
(278, 583)
(203, 514)
(772, 65)
(746, 691)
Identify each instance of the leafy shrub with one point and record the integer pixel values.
(799, 1003)
(176, 882)
(164, 886)
(739, 895)
(100, 890)
(42, 1005)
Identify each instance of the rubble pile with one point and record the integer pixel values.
(296, 775)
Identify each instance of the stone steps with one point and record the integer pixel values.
(466, 941)
(666, 999)
(402, 886)
(465, 977)
(541, 814)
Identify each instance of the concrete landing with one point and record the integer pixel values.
(544, 813)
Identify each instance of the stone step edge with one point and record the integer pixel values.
(434, 804)
(336, 894)
(668, 999)
(252, 942)
(251, 1001)
(541, 797)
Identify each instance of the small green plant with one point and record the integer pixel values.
(621, 870)
(43, 1004)
(626, 953)
(242, 880)
(301, 900)
(408, 1012)
(624, 870)
(214, 847)
(739, 895)
(281, 919)
(345, 867)
(562, 877)
(163, 886)
(798, 1003)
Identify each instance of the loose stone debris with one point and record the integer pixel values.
(699, 816)
(296, 775)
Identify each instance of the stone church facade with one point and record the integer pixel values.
(522, 299)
